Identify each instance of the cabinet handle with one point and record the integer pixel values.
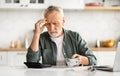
(21, 5)
(0, 57)
(21, 54)
(26, 5)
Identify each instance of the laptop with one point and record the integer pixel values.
(116, 65)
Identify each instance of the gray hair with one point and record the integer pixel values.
(50, 9)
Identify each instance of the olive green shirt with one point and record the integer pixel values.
(72, 44)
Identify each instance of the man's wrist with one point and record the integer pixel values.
(36, 33)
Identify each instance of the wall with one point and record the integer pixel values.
(92, 25)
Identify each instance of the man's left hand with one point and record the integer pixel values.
(83, 60)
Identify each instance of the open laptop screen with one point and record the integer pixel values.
(116, 65)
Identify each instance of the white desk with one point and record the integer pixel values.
(22, 71)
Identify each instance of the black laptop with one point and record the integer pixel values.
(104, 68)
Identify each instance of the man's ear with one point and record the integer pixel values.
(63, 20)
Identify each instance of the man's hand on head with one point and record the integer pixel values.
(39, 26)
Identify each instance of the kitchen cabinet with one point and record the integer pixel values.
(13, 56)
(23, 4)
(16, 58)
(105, 57)
(3, 58)
(41, 4)
(68, 4)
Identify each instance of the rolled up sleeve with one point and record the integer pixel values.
(32, 56)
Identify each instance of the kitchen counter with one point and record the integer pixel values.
(79, 71)
(92, 48)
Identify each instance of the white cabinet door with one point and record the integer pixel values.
(3, 58)
(68, 4)
(38, 4)
(21, 4)
(104, 57)
(9, 3)
(42, 4)
(16, 58)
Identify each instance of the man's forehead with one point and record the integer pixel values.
(53, 21)
(56, 19)
(54, 14)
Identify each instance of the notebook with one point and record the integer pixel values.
(116, 65)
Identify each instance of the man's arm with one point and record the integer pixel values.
(86, 56)
(38, 29)
(33, 50)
